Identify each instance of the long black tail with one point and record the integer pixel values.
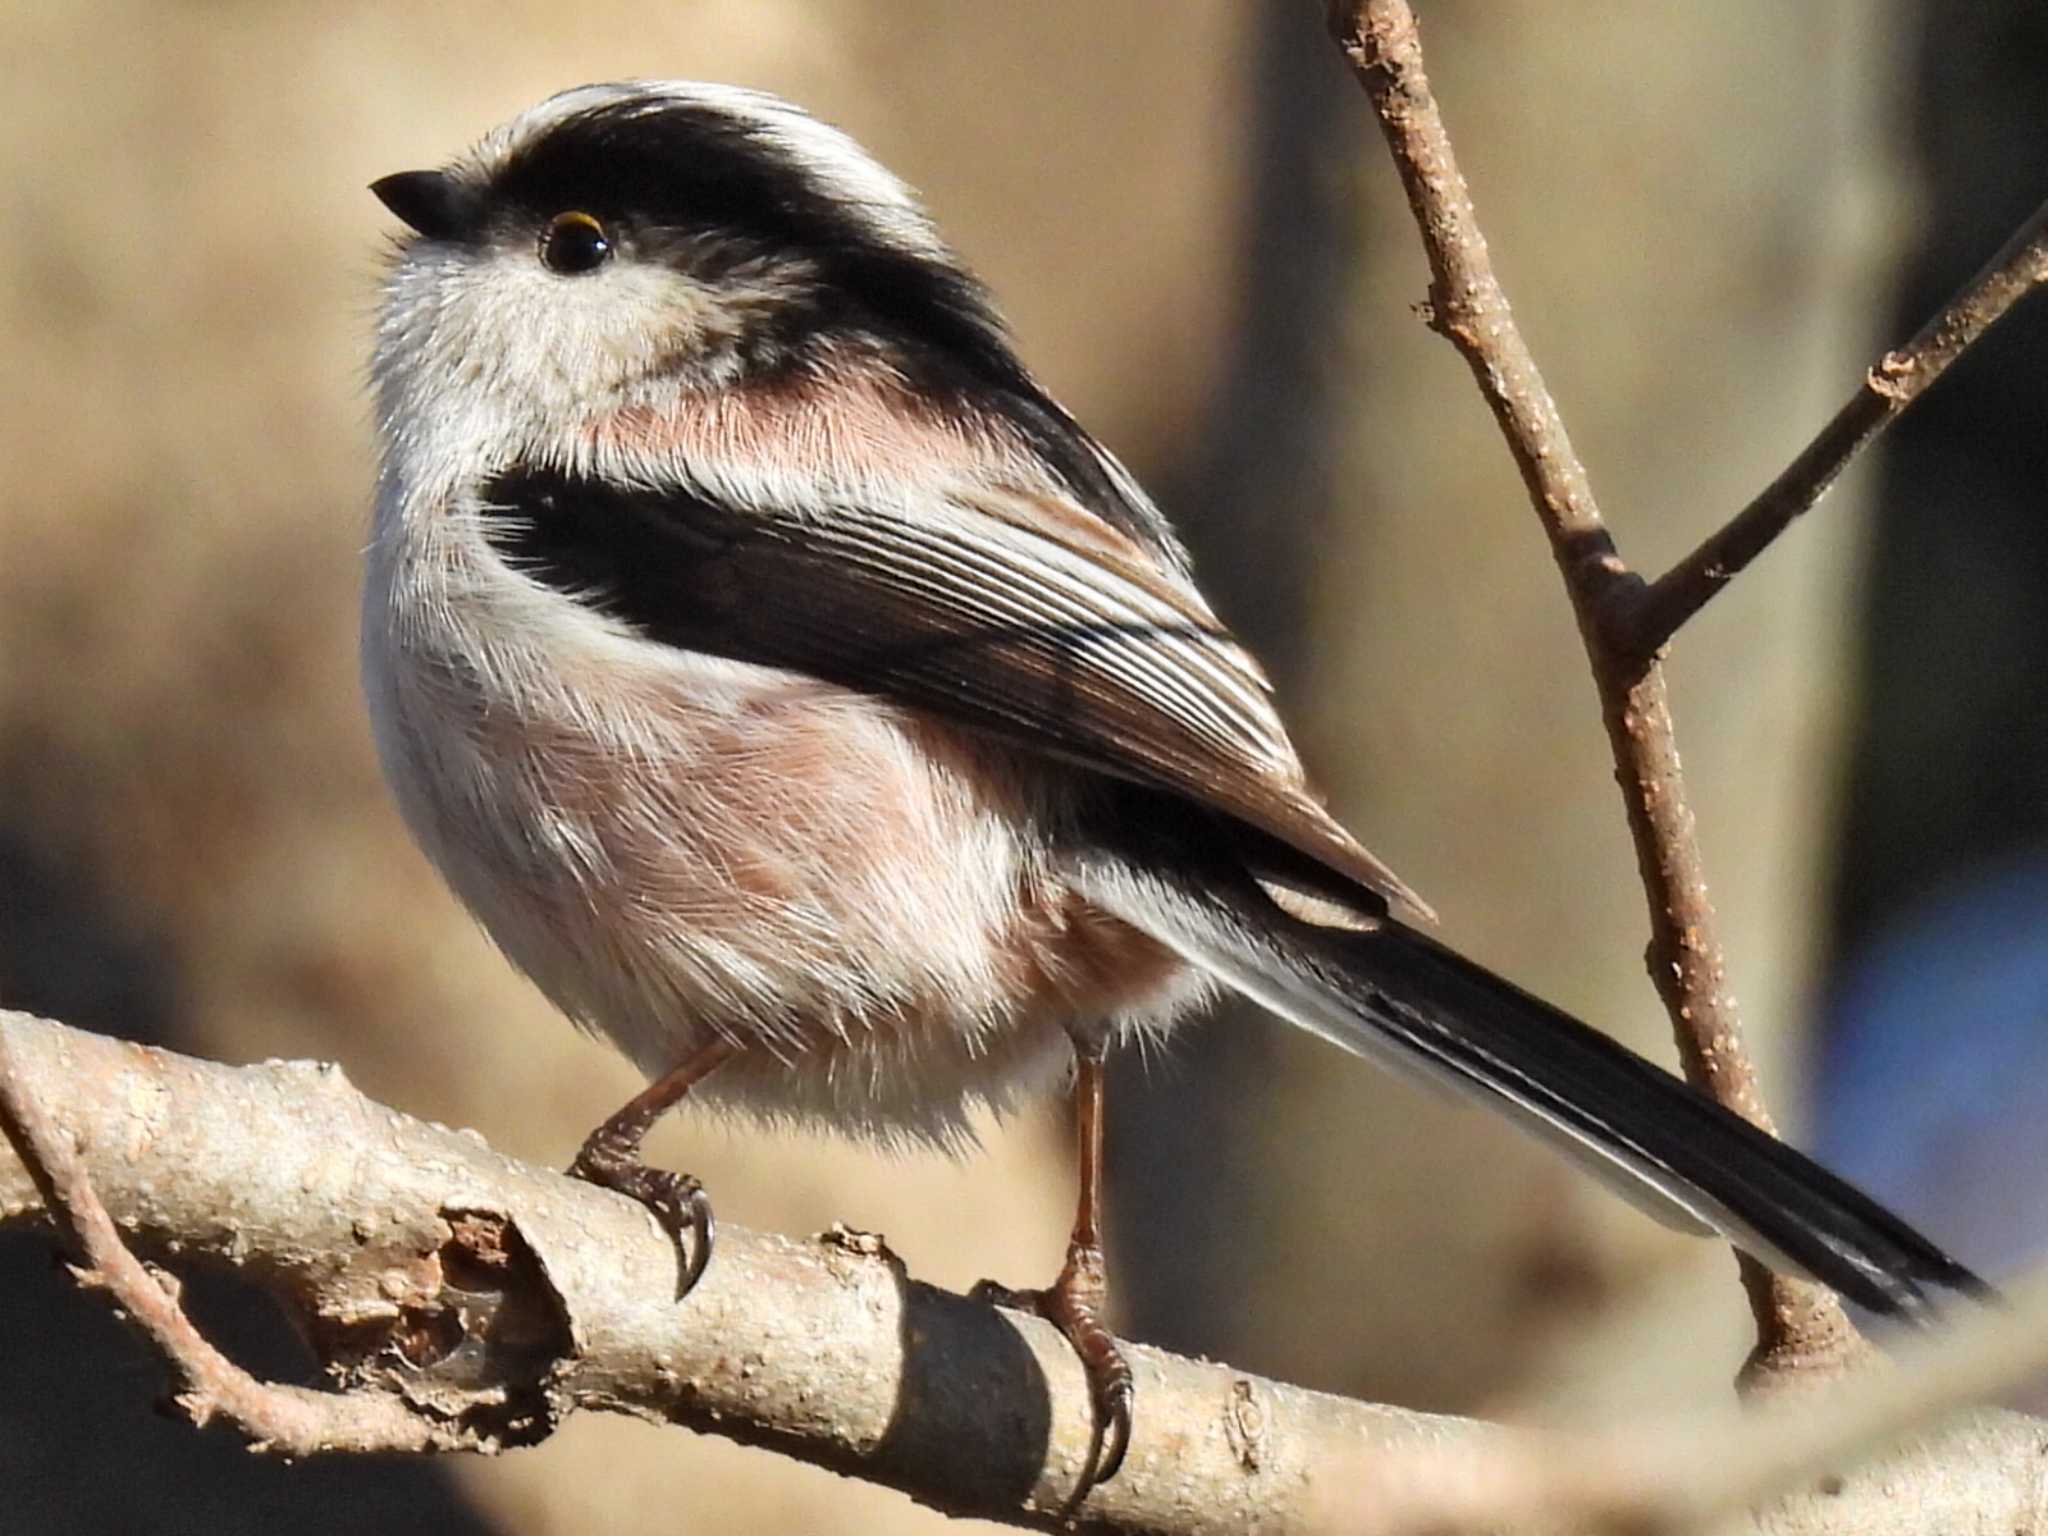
(1396, 996)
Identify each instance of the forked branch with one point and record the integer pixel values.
(1648, 617)
(1624, 622)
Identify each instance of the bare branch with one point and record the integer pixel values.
(1710, 1473)
(1649, 617)
(287, 1420)
(483, 1300)
(472, 1302)
(1801, 1329)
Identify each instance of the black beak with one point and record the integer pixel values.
(430, 201)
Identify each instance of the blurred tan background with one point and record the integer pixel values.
(1699, 213)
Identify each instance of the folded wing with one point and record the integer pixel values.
(1011, 612)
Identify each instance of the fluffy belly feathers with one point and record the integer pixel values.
(866, 903)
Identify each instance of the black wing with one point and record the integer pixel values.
(1011, 612)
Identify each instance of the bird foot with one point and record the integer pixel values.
(1074, 1304)
(677, 1200)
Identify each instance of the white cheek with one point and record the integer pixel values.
(573, 341)
(484, 359)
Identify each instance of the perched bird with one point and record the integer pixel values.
(807, 703)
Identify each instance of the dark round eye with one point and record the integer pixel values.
(574, 243)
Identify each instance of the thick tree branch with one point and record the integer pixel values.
(287, 1420)
(477, 1301)
(1650, 616)
(1801, 1329)
(461, 1300)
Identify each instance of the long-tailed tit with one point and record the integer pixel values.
(807, 703)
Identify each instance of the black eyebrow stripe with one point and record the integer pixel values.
(694, 168)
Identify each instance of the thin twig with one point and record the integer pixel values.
(1799, 1326)
(285, 1420)
(1646, 618)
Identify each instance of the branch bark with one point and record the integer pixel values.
(467, 1302)
(1802, 1331)
(288, 1420)
(459, 1300)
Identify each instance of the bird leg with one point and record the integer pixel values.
(1076, 1301)
(611, 1160)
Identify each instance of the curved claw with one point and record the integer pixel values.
(677, 1201)
(1109, 1440)
(1090, 1480)
(703, 1230)
(1114, 1409)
